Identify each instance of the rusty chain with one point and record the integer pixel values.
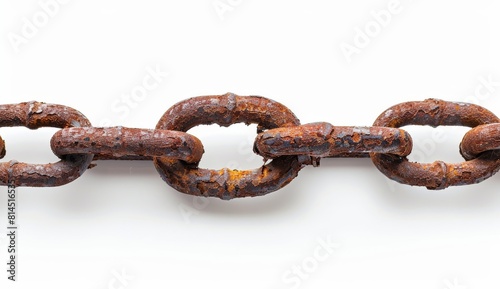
(280, 138)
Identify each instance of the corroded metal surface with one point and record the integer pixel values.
(127, 143)
(325, 140)
(437, 175)
(480, 139)
(225, 183)
(34, 115)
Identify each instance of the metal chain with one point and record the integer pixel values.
(280, 138)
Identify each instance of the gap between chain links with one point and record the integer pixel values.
(281, 137)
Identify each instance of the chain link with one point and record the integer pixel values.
(121, 143)
(225, 110)
(280, 137)
(325, 140)
(437, 175)
(35, 115)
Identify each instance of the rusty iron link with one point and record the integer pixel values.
(437, 175)
(34, 115)
(481, 139)
(325, 140)
(225, 110)
(280, 138)
(121, 143)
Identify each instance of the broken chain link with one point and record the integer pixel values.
(280, 138)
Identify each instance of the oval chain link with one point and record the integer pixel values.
(34, 115)
(325, 140)
(225, 110)
(119, 143)
(437, 175)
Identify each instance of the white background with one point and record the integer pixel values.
(120, 217)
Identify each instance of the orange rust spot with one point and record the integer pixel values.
(393, 123)
(356, 137)
(237, 174)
